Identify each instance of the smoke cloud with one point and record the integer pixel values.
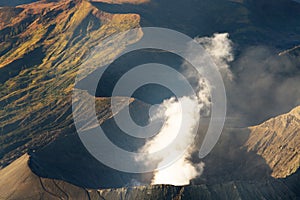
(182, 171)
(176, 122)
(266, 84)
(219, 47)
(260, 84)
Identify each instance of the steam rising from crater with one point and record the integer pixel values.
(219, 47)
(182, 170)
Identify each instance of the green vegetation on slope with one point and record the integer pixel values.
(42, 48)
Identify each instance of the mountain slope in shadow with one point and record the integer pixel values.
(249, 22)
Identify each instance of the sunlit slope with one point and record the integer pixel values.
(41, 48)
(18, 182)
(266, 151)
(278, 142)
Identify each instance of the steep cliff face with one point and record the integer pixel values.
(229, 190)
(278, 142)
(41, 47)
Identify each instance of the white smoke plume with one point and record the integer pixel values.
(219, 47)
(182, 171)
(176, 122)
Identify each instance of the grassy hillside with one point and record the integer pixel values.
(41, 49)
